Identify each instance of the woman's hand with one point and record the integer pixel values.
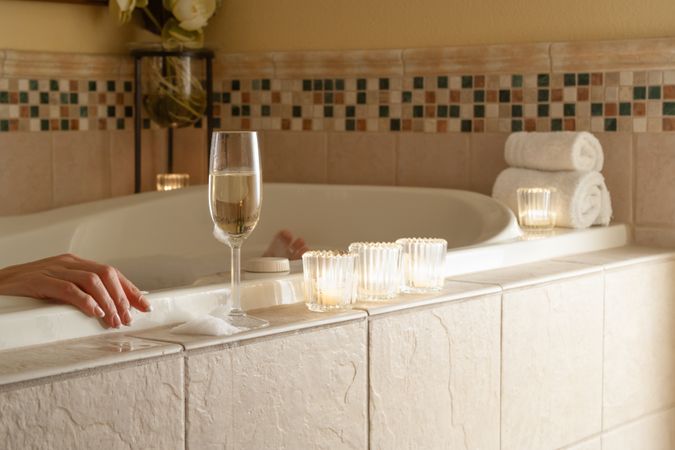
(98, 290)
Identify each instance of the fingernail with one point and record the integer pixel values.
(99, 312)
(116, 321)
(147, 307)
(127, 318)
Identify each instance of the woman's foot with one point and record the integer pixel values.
(283, 245)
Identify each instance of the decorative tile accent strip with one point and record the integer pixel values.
(417, 90)
(50, 104)
(593, 101)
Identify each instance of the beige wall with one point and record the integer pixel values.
(262, 25)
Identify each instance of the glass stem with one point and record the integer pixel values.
(236, 279)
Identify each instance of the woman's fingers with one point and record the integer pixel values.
(134, 294)
(92, 285)
(65, 291)
(111, 281)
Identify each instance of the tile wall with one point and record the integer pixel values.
(427, 117)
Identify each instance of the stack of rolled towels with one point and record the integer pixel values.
(569, 162)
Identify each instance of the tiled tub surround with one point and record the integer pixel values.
(572, 353)
(429, 117)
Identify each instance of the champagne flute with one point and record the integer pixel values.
(235, 197)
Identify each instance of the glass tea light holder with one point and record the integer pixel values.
(330, 280)
(171, 181)
(378, 267)
(423, 264)
(536, 208)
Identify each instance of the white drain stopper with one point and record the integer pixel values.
(267, 264)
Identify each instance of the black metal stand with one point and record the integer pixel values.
(138, 55)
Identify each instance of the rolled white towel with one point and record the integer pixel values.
(560, 150)
(581, 198)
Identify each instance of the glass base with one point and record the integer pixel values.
(420, 290)
(244, 321)
(317, 307)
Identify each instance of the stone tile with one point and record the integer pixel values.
(656, 237)
(434, 377)
(618, 172)
(190, 154)
(655, 432)
(487, 160)
(307, 389)
(40, 361)
(362, 158)
(25, 172)
(552, 363)
(282, 319)
(121, 163)
(655, 165)
(81, 166)
(529, 274)
(114, 409)
(452, 291)
(621, 256)
(433, 160)
(639, 359)
(293, 157)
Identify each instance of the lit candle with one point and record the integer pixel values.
(423, 264)
(329, 292)
(171, 181)
(330, 281)
(535, 208)
(379, 266)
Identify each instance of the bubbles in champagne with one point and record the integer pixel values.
(235, 200)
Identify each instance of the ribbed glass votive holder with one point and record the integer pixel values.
(423, 264)
(536, 209)
(330, 280)
(378, 266)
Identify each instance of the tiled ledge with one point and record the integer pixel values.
(33, 363)
(642, 54)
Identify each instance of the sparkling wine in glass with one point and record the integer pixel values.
(235, 197)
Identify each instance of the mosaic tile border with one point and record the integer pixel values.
(461, 89)
(594, 101)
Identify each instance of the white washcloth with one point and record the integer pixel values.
(560, 150)
(581, 198)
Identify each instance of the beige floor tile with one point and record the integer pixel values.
(655, 432)
(190, 154)
(121, 162)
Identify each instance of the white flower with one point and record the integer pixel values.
(192, 14)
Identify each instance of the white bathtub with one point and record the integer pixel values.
(163, 242)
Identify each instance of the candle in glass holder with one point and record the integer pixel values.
(536, 209)
(171, 181)
(379, 269)
(330, 280)
(423, 264)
